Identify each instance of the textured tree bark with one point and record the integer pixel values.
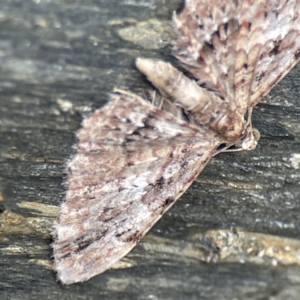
(234, 234)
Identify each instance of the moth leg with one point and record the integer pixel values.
(254, 130)
(231, 147)
(251, 136)
(155, 100)
(249, 117)
(167, 105)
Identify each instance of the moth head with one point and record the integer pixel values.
(250, 139)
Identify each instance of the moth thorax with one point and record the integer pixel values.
(230, 126)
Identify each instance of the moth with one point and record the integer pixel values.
(135, 159)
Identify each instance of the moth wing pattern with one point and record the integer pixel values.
(241, 49)
(133, 162)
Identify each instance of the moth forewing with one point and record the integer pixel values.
(134, 160)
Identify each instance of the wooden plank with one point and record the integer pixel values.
(58, 61)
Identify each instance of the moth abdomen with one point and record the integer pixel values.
(202, 106)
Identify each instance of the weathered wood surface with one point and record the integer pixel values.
(59, 60)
